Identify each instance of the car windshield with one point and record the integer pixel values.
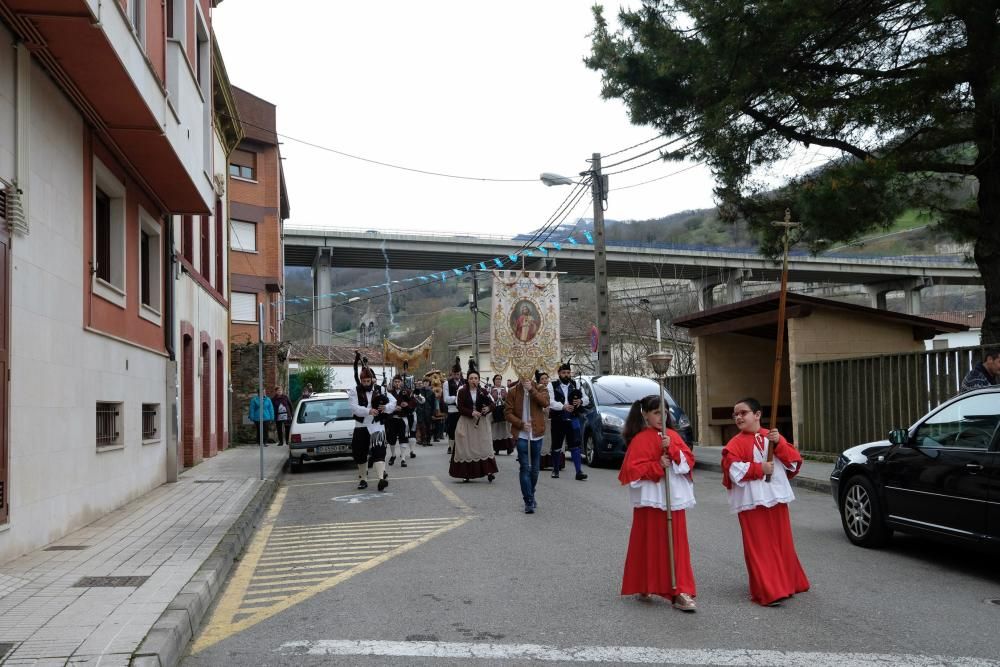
(324, 410)
(625, 390)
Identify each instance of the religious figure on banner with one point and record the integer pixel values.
(525, 321)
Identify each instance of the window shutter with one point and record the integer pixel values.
(243, 307)
(243, 235)
(243, 158)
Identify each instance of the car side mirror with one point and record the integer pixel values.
(899, 436)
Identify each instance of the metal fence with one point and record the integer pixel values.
(684, 390)
(852, 401)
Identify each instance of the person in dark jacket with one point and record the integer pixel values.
(984, 374)
(282, 415)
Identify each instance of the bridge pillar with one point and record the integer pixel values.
(734, 285)
(705, 288)
(910, 288)
(322, 285)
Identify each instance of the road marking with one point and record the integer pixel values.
(241, 604)
(354, 481)
(623, 654)
(358, 498)
(450, 495)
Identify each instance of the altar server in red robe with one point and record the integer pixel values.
(648, 457)
(762, 506)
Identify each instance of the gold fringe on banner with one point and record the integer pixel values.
(394, 355)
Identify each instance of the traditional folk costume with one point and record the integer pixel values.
(398, 425)
(566, 427)
(502, 440)
(768, 547)
(472, 455)
(368, 441)
(647, 565)
(451, 387)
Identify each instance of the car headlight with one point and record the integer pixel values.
(840, 464)
(612, 421)
(683, 422)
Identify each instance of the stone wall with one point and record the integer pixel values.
(244, 379)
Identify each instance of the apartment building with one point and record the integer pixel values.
(258, 202)
(105, 136)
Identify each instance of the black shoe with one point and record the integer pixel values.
(534, 504)
(382, 483)
(491, 477)
(413, 455)
(555, 474)
(449, 450)
(392, 459)
(580, 476)
(385, 475)
(529, 508)
(362, 484)
(402, 463)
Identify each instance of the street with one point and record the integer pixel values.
(434, 570)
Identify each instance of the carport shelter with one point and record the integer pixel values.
(735, 346)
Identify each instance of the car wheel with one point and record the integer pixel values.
(589, 451)
(861, 514)
(294, 465)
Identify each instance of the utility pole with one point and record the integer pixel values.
(599, 188)
(474, 307)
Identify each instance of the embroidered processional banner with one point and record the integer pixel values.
(394, 355)
(525, 333)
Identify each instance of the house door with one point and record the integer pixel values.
(4, 367)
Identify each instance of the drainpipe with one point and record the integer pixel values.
(172, 421)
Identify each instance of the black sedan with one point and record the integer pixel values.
(611, 397)
(940, 477)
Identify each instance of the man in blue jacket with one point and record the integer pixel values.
(262, 418)
(984, 374)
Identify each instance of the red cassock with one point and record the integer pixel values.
(768, 547)
(647, 564)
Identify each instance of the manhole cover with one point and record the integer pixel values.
(67, 547)
(208, 481)
(110, 582)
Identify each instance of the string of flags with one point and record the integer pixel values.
(500, 262)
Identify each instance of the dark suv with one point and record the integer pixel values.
(611, 397)
(940, 477)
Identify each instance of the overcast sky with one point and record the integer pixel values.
(483, 89)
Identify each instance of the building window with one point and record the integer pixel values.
(137, 15)
(108, 425)
(219, 222)
(150, 421)
(243, 164)
(206, 247)
(244, 307)
(170, 9)
(150, 251)
(243, 236)
(187, 238)
(108, 259)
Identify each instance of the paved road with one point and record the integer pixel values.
(434, 571)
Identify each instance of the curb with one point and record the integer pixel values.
(168, 639)
(820, 485)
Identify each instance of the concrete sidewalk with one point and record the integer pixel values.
(815, 475)
(132, 587)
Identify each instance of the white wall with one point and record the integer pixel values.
(959, 339)
(58, 480)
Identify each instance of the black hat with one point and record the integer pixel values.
(565, 366)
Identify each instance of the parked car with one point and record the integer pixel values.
(940, 477)
(321, 429)
(611, 397)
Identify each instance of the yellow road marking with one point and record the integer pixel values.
(450, 495)
(318, 565)
(362, 554)
(328, 545)
(354, 525)
(355, 481)
(294, 575)
(348, 534)
(225, 627)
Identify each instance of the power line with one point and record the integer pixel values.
(426, 172)
(641, 143)
(652, 180)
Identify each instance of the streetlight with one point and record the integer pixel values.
(599, 190)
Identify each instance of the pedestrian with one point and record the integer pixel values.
(984, 374)
(501, 429)
(649, 458)
(472, 454)
(450, 389)
(282, 415)
(307, 392)
(762, 505)
(398, 424)
(566, 402)
(524, 409)
(262, 416)
(369, 405)
(425, 412)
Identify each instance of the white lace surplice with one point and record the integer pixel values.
(647, 493)
(745, 495)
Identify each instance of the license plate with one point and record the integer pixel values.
(334, 449)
